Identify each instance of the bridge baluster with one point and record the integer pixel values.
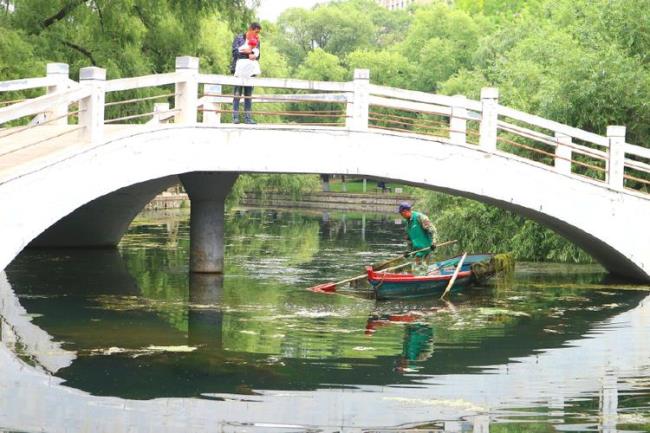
(159, 111)
(458, 121)
(211, 106)
(563, 153)
(357, 111)
(489, 118)
(616, 162)
(92, 107)
(187, 89)
(59, 73)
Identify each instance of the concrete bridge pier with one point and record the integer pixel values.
(207, 192)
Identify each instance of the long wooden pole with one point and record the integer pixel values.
(453, 277)
(330, 287)
(389, 262)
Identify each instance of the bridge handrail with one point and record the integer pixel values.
(298, 97)
(153, 80)
(551, 141)
(553, 126)
(280, 83)
(26, 83)
(402, 104)
(428, 98)
(457, 119)
(633, 149)
(43, 103)
(637, 165)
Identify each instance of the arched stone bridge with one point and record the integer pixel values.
(65, 182)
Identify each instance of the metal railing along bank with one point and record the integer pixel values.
(186, 96)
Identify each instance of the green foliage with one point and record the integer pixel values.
(322, 66)
(17, 58)
(581, 62)
(338, 28)
(127, 37)
(482, 228)
(389, 68)
(261, 184)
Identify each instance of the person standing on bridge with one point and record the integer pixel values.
(420, 233)
(245, 64)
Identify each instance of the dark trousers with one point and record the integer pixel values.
(240, 91)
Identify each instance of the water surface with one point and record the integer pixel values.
(112, 340)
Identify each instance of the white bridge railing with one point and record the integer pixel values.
(89, 107)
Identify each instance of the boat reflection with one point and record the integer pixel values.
(143, 355)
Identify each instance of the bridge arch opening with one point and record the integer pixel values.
(147, 161)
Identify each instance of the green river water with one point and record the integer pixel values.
(125, 340)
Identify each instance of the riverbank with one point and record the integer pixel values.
(377, 202)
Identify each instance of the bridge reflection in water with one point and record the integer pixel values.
(130, 355)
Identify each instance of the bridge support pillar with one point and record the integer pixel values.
(205, 325)
(207, 192)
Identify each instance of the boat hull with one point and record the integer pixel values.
(399, 286)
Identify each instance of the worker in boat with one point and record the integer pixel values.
(420, 233)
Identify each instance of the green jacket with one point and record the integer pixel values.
(420, 232)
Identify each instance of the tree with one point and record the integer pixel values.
(388, 68)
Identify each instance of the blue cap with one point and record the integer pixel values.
(404, 206)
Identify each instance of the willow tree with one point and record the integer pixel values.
(127, 37)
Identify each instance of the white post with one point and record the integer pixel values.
(481, 424)
(616, 162)
(187, 89)
(563, 153)
(211, 107)
(608, 404)
(159, 108)
(458, 121)
(59, 73)
(357, 111)
(489, 117)
(92, 107)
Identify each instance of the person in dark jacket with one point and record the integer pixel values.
(242, 50)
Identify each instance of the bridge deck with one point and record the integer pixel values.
(36, 146)
(20, 147)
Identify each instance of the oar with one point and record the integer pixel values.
(453, 277)
(389, 262)
(331, 287)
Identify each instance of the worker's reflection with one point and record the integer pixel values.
(417, 345)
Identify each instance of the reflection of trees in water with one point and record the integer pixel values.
(290, 237)
(160, 266)
(296, 338)
(255, 317)
(266, 315)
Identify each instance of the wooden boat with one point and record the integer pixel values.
(398, 286)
